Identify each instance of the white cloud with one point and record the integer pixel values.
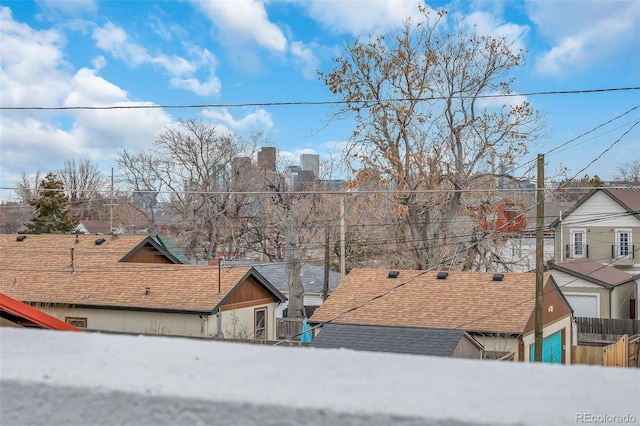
(87, 88)
(360, 17)
(308, 61)
(35, 74)
(488, 24)
(114, 40)
(597, 31)
(242, 21)
(33, 67)
(260, 119)
(109, 130)
(99, 62)
(209, 87)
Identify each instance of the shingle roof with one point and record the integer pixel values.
(97, 226)
(409, 340)
(628, 198)
(467, 300)
(594, 272)
(312, 276)
(39, 269)
(172, 248)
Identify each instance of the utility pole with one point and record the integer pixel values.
(343, 261)
(111, 205)
(539, 259)
(325, 288)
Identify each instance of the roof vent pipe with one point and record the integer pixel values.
(394, 274)
(498, 277)
(443, 275)
(100, 241)
(21, 238)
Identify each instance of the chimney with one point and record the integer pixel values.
(214, 262)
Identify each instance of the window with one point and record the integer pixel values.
(76, 321)
(578, 244)
(260, 320)
(623, 248)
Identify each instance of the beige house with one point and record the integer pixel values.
(601, 227)
(596, 290)
(597, 262)
(133, 284)
(494, 309)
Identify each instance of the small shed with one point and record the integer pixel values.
(408, 340)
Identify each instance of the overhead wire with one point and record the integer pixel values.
(453, 256)
(365, 103)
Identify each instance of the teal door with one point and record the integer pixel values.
(551, 349)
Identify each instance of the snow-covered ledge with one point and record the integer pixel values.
(54, 378)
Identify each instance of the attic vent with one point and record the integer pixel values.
(394, 274)
(100, 241)
(443, 275)
(21, 237)
(498, 277)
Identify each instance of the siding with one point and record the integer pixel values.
(600, 216)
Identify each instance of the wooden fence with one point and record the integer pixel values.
(287, 328)
(623, 353)
(607, 326)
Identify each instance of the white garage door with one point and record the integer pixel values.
(584, 305)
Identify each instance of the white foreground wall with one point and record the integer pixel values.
(56, 378)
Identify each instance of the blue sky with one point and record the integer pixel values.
(86, 52)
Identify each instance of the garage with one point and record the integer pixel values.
(552, 351)
(584, 305)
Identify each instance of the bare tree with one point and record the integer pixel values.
(418, 97)
(85, 187)
(27, 188)
(190, 169)
(13, 216)
(300, 210)
(629, 172)
(82, 180)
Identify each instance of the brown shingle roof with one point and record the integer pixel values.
(55, 250)
(97, 226)
(38, 269)
(468, 300)
(595, 272)
(628, 197)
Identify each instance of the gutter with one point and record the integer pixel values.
(561, 239)
(610, 294)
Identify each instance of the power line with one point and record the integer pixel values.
(593, 129)
(365, 103)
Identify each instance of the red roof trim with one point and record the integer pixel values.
(34, 315)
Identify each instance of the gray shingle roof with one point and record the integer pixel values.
(409, 340)
(312, 276)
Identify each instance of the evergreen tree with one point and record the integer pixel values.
(51, 206)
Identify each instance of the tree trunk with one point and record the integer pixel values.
(296, 289)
